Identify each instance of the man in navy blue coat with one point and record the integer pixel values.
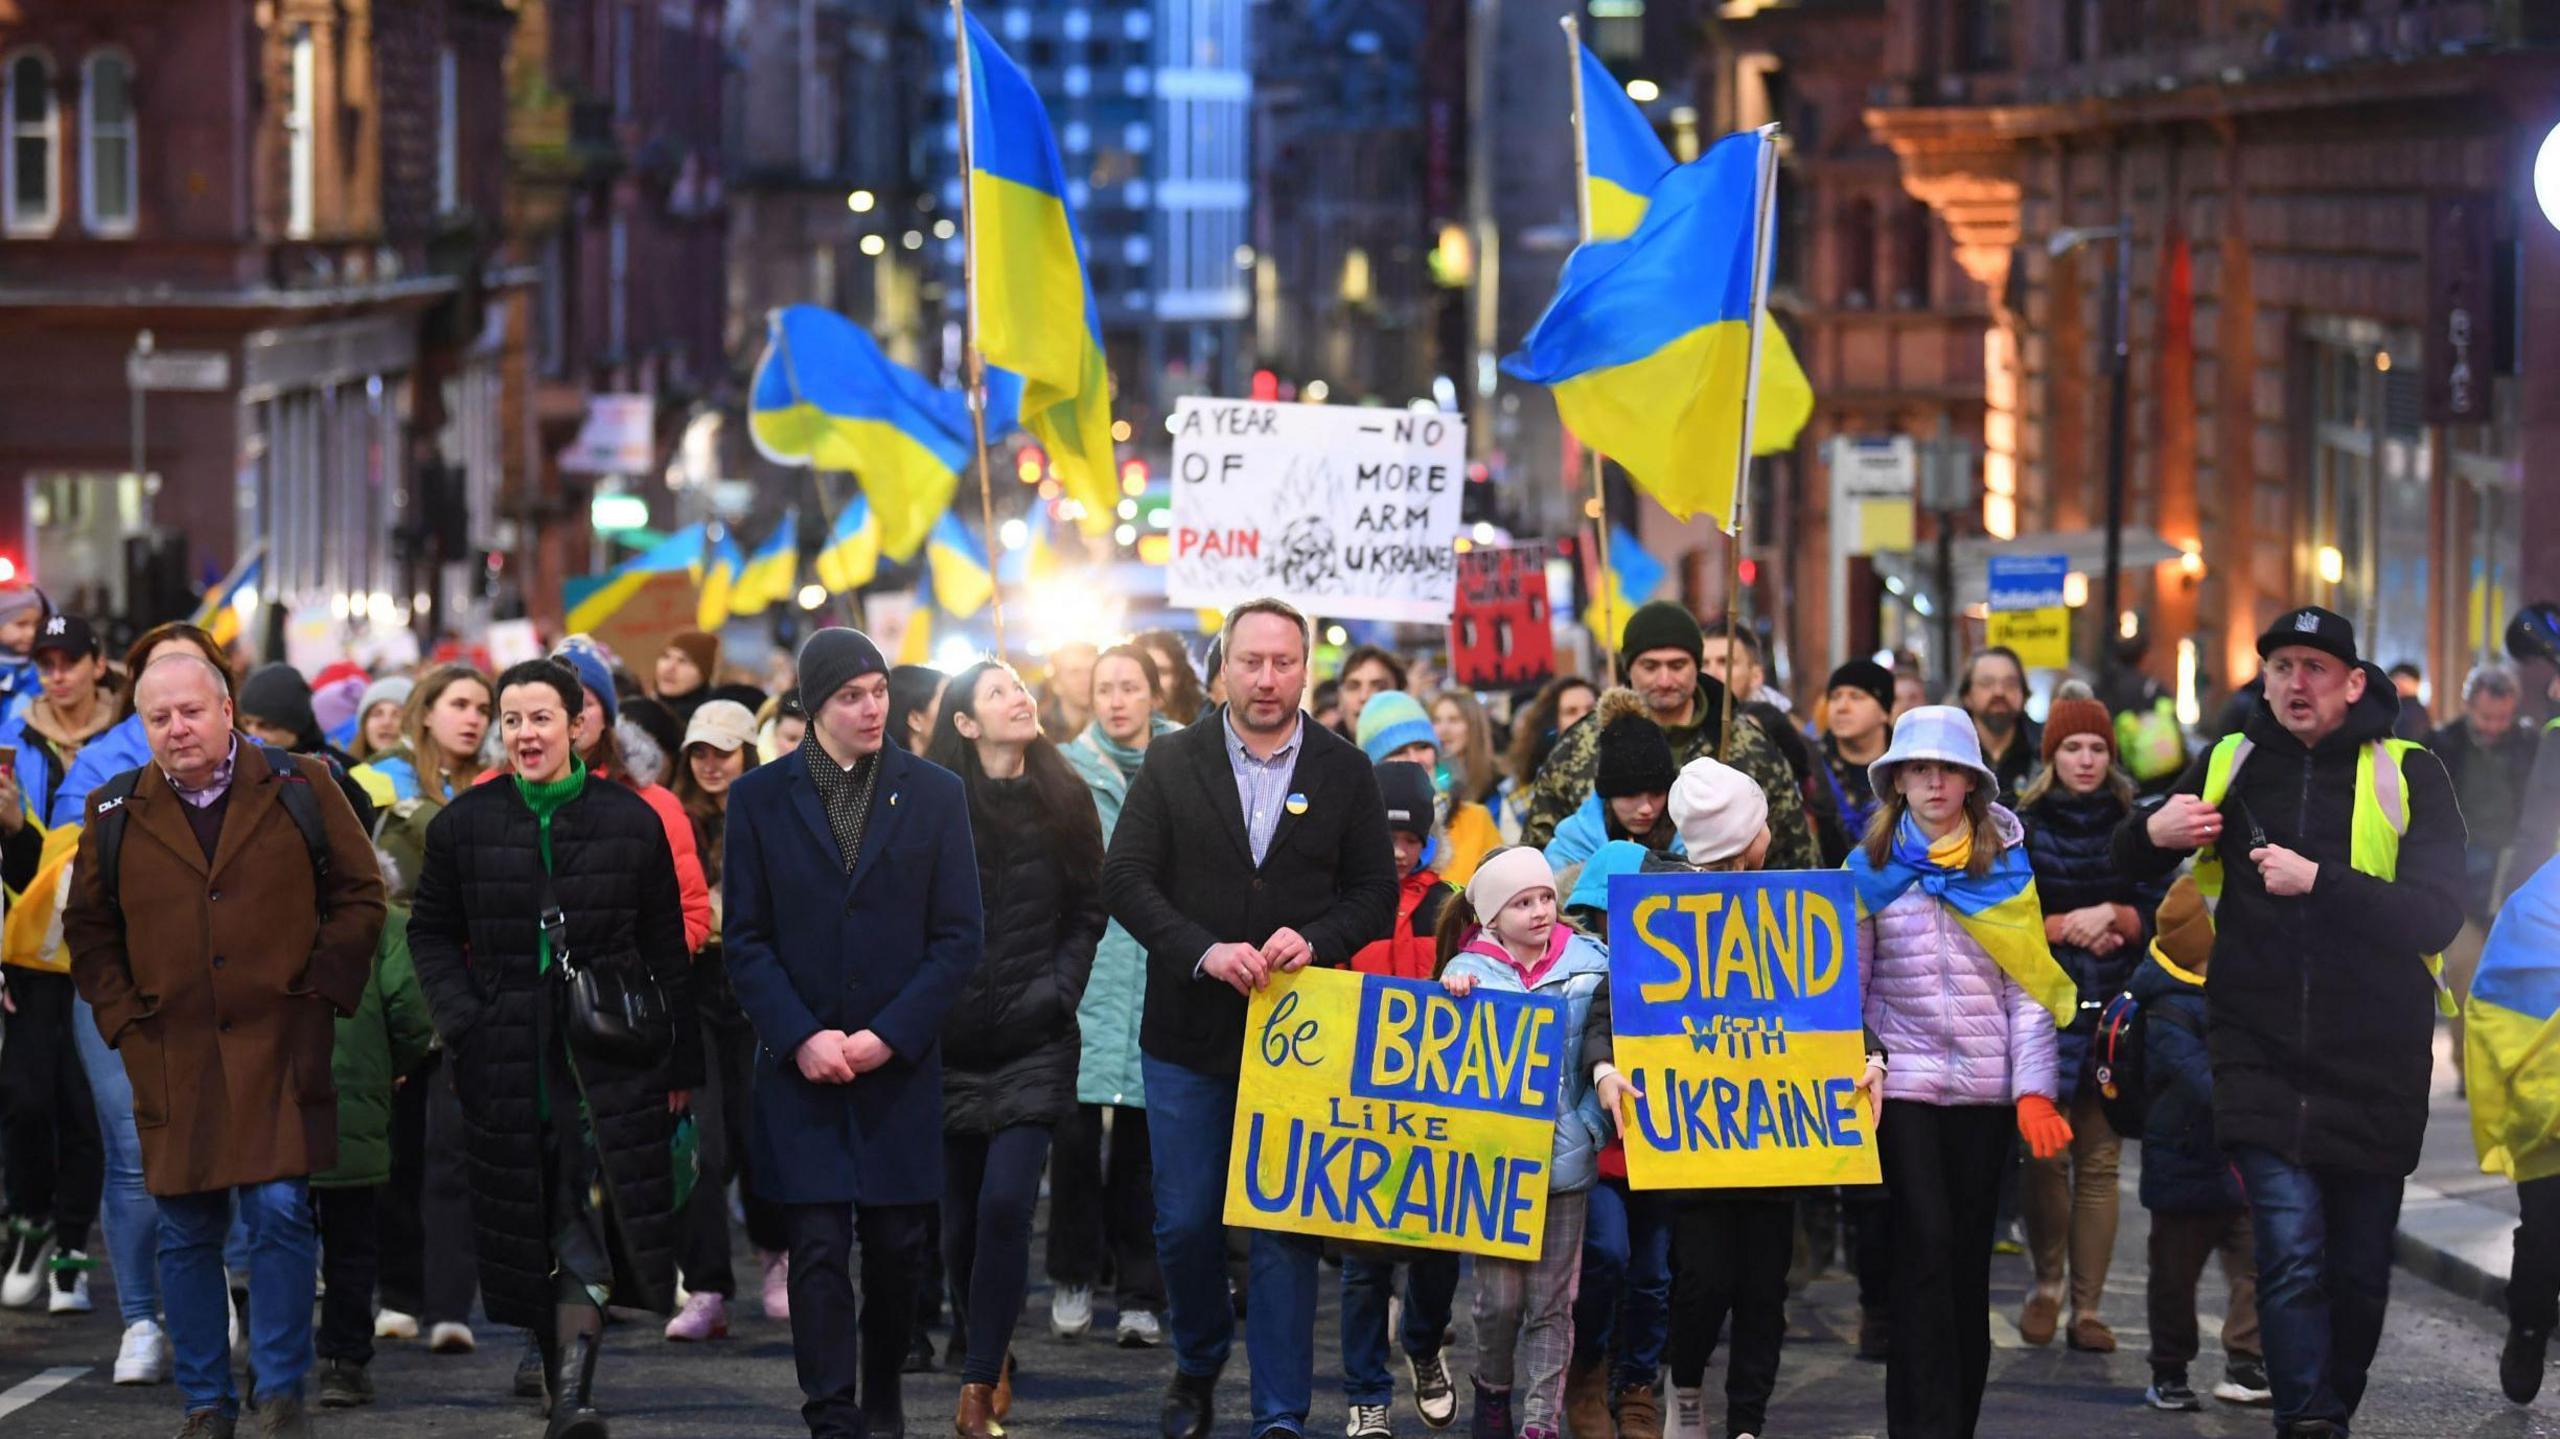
(852, 916)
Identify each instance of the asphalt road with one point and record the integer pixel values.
(2437, 1378)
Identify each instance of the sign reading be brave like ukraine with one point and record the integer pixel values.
(1734, 1001)
(1384, 1109)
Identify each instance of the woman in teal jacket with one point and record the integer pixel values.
(1098, 1209)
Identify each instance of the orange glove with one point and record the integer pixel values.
(2047, 1133)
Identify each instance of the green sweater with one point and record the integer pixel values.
(384, 1039)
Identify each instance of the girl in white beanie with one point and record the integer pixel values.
(1506, 932)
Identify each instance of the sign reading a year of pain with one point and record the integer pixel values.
(1734, 1001)
(1385, 1109)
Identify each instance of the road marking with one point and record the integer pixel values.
(13, 1400)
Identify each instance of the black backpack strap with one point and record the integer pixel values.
(108, 820)
(303, 807)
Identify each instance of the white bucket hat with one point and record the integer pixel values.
(1938, 732)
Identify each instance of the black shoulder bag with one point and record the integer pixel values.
(614, 1016)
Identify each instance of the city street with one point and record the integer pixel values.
(2437, 1378)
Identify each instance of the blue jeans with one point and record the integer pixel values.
(1191, 1120)
(128, 1213)
(1430, 1294)
(2324, 1278)
(284, 1271)
(1626, 1283)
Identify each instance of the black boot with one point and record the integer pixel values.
(1187, 1406)
(2520, 1364)
(573, 1408)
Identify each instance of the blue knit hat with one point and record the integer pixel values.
(595, 676)
(1390, 721)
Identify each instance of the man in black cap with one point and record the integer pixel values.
(1857, 729)
(2336, 853)
(852, 918)
(1658, 656)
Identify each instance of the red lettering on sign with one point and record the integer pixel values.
(1218, 544)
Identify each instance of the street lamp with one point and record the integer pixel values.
(2546, 176)
(2118, 342)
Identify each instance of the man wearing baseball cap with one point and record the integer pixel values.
(2335, 852)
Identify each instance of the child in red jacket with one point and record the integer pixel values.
(1407, 952)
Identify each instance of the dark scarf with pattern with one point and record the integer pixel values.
(845, 794)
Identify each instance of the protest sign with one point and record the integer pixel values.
(1348, 512)
(1734, 1000)
(1386, 1109)
(1502, 635)
(2027, 610)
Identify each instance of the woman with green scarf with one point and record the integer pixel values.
(574, 1190)
(1102, 1211)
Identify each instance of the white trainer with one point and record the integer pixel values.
(1071, 1311)
(25, 1282)
(392, 1324)
(143, 1358)
(451, 1338)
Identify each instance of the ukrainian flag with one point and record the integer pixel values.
(720, 575)
(2511, 1035)
(219, 613)
(851, 558)
(2000, 909)
(1038, 557)
(1633, 575)
(915, 647)
(1034, 308)
(1647, 342)
(593, 599)
(772, 574)
(825, 396)
(1625, 158)
(957, 568)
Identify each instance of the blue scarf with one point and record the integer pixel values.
(1999, 909)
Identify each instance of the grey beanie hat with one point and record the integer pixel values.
(833, 658)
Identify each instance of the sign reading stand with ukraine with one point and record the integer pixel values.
(1734, 998)
(1385, 1109)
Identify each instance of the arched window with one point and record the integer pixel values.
(107, 135)
(33, 160)
(1857, 240)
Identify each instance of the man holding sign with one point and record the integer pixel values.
(1252, 844)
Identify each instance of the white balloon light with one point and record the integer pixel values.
(2546, 177)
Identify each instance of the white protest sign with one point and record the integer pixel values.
(1347, 512)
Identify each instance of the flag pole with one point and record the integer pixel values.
(1765, 207)
(1599, 507)
(977, 363)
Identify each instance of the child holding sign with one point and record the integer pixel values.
(1502, 933)
(1963, 990)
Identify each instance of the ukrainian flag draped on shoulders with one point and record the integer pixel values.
(1999, 910)
(1647, 343)
(826, 396)
(1034, 308)
(2511, 1035)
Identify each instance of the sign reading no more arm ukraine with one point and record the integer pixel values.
(1346, 511)
(1734, 1001)
(1386, 1110)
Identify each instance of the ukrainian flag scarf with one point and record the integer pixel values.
(2000, 909)
(2511, 1038)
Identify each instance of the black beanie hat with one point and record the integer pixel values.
(1635, 758)
(1661, 625)
(1866, 675)
(1406, 788)
(280, 696)
(833, 658)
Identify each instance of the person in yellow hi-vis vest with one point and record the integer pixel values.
(2332, 855)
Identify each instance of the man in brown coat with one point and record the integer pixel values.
(217, 962)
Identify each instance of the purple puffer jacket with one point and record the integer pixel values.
(1955, 1028)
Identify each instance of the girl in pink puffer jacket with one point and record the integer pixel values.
(1965, 999)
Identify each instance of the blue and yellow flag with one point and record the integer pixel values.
(851, 558)
(825, 396)
(219, 614)
(2000, 909)
(1038, 557)
(2511, 1035)
(720, 574)
(1625, 158)
(1034, 307)
(1647, 342)
(772, 574)
(957, 563)
(1632, 576)
(593, 599)
(915, 647)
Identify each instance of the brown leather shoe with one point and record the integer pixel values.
(1004, 1390)
(1586, 1402)
(2090, 1335)
(2038, 1320)
(1639, 1413)
(977, 1416)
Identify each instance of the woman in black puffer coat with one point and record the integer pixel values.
(2099, 923)
(1010, 1049)
(570, 1216)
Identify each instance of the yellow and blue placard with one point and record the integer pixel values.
(1734, 1000)
(1385, 1109)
